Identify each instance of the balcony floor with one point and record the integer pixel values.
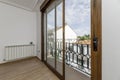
(29, 69)
(70, 73)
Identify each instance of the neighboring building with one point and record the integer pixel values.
(70, 35)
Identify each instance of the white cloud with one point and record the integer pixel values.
(82, 31)
(77, 10)
(77, 15)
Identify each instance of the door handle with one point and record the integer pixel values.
(95, 44)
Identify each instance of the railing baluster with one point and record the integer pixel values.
(77, 48)
(88, 57)
(77, 53)
(66, 45)
(82, 61)
(69, 52)
(66, 57)
(72, 52)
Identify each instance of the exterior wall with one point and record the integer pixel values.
(69, 34)
(17, 27)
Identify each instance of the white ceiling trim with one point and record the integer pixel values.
(19, 6)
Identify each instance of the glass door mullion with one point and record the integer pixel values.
(55, 35)
(46, 35)
(63, 23)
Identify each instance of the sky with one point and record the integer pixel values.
(77, 16)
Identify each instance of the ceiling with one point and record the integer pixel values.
(24, 4)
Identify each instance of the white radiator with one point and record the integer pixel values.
(19, 51)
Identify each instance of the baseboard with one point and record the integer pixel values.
(38, 57)
(2, 62)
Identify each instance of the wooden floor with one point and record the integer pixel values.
(30, 69)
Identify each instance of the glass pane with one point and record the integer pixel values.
(59, 38)
(77, 38)
(51, 37)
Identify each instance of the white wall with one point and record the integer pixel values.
(111, 39)
(39, 34)
(38, 13)
(17, 27)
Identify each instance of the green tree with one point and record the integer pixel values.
(84, 37)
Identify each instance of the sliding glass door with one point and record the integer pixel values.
(59, 38)
(51, 36)
(71, 32)
(53, 49)
(77, 37)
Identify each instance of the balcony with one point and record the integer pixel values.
(77, 59)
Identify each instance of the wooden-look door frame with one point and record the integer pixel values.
(96, 31)
(44, 6)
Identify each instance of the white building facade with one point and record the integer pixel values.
(70, 35)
